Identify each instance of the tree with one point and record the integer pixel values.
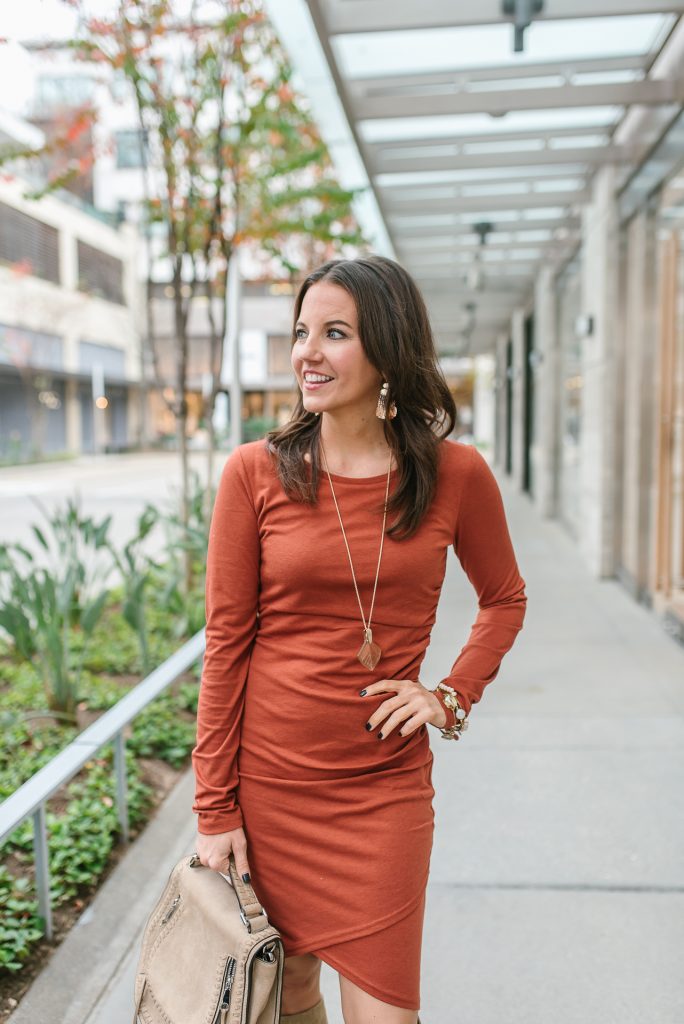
(236, 160)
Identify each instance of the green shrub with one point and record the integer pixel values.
(20, 924)
(158, 731)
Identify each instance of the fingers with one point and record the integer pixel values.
(383, 685)
(214, 851)
(386, 708)
(413, 723)
(400, 716)
(240, 854)
(407, 706)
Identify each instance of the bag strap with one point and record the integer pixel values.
(252, 914)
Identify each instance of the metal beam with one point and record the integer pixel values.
(450, 317)
(443, 300)
(499, 175)
(517, 283)
(529, 200)
(342, 17)
(459, 143)
(522, 272)
(446, 248)
(500, 271)
(482, 313)
(594, 156)
(456, 230)
(650, 92)
(455, 76)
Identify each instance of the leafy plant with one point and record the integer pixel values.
(50, 602)
(22, 754)
(158, 731)
(15, 599)
(135, 569)
(19, 920)
(80, 838)
(189, 539)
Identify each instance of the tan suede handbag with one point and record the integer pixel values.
(209, 954)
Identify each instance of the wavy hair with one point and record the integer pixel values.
(395, 332)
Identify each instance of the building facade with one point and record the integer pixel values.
(70, 363)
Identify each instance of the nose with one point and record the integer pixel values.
(307, 349)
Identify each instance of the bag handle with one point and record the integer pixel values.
(252, 914)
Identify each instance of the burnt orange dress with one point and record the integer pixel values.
(339, 824)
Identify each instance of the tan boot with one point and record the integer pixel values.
(314, 1015)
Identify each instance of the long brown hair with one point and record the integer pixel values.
(395, 332)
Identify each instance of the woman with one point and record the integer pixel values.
(313, 761)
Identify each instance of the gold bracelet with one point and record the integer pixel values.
(461, 719)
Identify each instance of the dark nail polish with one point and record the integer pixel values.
(245, 877)
(368, 725)
(362, 693)
(380, 736)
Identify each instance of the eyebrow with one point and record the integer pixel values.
(328, 323)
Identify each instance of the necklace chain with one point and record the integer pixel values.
(366, 625)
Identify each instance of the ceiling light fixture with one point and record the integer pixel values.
(521, 11)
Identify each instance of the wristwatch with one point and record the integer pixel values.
(450, 700)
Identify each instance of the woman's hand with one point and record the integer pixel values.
(214, 851)
(412, 706)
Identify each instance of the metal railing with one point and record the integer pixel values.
(30, 799)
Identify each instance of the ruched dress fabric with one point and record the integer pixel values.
(339, 824)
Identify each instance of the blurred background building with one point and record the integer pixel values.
(69, 307)
(524, 161)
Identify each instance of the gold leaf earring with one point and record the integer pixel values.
(381, 410)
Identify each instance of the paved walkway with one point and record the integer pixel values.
(557, 880)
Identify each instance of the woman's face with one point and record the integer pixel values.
(327, 343)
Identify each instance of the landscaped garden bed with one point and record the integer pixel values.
(61, 666)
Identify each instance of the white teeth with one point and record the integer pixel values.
(313, 378)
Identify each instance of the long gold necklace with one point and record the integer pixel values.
(369, 652)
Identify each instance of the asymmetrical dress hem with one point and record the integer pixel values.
(332, 938)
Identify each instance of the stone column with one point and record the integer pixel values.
(484, 407)
(545, 451)
(500, 402)
(518, 337)
(637, 403)
(600, 250)
(72, 415)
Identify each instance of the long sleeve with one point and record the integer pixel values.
(231, 598)
(483, 546)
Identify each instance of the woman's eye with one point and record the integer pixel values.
(332, 330)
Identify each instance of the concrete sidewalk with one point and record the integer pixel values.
(556, 893)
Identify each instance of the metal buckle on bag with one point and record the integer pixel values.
(248, 922)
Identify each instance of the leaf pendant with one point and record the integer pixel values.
(369, 654)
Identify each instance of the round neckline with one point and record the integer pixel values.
(353, 479)
(359, 479)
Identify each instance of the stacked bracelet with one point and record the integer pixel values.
(456, 722)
